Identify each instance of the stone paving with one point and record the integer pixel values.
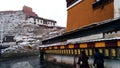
(29, 62)
(26, 62)
(33, 62)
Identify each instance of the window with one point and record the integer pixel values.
(101, 51)
(71, 3)
(59, 51)
(69, 52)
(101, 3)
(113, 53)
(72, 52)
(106, 52)
(97, 0)
(86, 51)
(118, 52)
(64, 51)
(78, 51)
(90, 52)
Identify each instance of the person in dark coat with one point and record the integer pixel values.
(83, 60)
(42, 54)
(0, 50)
(0, 53)
(98, 59)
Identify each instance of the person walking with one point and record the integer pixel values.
(83, 60)
(98, 59)
(0, 51)
(42, 54)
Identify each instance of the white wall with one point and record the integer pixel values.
(86, 38)
(109, 63)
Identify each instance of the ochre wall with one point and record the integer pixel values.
(27, 9)
(83, 14)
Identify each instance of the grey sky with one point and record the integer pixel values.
(50, 9)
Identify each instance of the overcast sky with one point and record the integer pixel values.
(50, 9)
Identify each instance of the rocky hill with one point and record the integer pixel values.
(27, 29)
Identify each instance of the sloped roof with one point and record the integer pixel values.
(104, 26)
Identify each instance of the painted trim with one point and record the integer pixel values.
(84, 45)
(100, 44)
(55, 47)
(70, 46)
(50, 47)
(62, 47)
(118, 43)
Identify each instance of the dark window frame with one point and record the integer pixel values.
(101, 3)
(70, 2)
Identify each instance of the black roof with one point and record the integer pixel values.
(99, 27)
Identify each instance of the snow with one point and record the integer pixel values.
(24, 43)
(15, 48)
